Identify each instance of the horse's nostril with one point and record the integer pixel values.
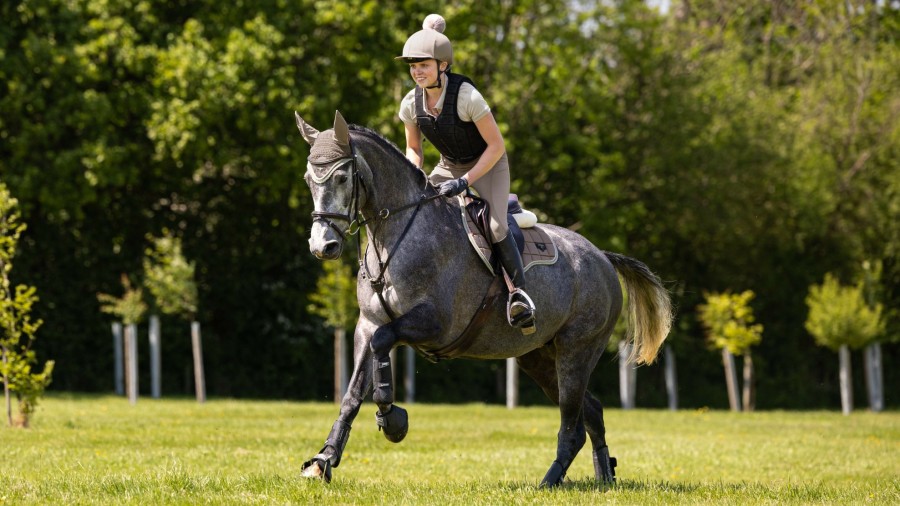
(332, 248)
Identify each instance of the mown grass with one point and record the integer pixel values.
(84, 450)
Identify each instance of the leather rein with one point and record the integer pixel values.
(356, 221)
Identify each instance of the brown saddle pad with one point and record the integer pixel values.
(539, 248)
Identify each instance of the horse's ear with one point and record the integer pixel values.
(309, 133)
(341, 130)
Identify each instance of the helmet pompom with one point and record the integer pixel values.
(434, 22)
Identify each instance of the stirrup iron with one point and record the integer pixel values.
(520, 313)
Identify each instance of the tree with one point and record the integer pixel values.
(170, 277)
(335, 301)
(839, 318)
(730, 326)
(130, 307)
(17, 329)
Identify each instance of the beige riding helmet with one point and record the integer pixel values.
(429, 42)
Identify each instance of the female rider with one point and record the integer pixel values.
(447, 110)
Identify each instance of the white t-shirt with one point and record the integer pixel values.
(470, 104)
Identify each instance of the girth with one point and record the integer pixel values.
(472, 330)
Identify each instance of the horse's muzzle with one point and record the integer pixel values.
(330, 250)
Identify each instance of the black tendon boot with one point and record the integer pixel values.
(519, 306)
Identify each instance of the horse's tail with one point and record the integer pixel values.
(649, 308)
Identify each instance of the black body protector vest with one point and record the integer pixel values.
(457, 140)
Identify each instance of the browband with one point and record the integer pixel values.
(321, 179)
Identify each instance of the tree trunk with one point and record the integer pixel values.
(409, 379)
(874, 376)
(118, 358)
(6, 396)
(749, 396)
(340, 364)
(731, 380)
(131, 363)
(627, 376)
(512, 383)
(671, 378)
(199, 376)
(155, 366)
(846, 380)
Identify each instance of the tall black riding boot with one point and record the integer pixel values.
(519, 306)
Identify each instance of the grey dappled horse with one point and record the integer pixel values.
(420, 283)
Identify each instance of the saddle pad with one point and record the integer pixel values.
(539, 247)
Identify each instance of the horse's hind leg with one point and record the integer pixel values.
(604, 465)
(543, 366)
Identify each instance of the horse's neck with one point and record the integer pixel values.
(392, 204)
(412, 218)
(393, 185)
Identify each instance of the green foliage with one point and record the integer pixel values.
(335, 296)
(28, 384)
(728, 319)
(839, 315)
(170, 277)
(130, 307)
(740, 143)
(17, 329)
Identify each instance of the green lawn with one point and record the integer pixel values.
(103, 450)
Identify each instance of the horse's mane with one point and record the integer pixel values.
(388, 146)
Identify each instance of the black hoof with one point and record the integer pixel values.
(394, 423)
(554, 476)
(317, 467)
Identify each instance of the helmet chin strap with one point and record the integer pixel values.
(439, 83)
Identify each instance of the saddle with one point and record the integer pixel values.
(535, 245)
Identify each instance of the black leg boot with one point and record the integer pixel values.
(519, 306)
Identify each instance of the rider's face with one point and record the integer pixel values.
(425, 73)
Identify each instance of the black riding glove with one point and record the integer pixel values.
(453, 187)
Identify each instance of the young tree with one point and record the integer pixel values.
(170, 278)
(335, 301)
(17, 330)
(130, 308)
(728, 319)
(840, 319)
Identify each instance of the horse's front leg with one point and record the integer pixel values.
(418, 324)
(360, 381)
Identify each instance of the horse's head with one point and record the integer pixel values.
(332, 177)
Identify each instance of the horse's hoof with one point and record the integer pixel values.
(317, 468)
(605, 466)
(394, 423)
(554, 476)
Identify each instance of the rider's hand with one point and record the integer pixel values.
(453, 187)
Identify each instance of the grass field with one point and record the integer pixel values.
(84, 449)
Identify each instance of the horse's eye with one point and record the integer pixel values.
(342, 179)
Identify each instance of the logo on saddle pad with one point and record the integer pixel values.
(536, 247)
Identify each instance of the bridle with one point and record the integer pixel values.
(355, 221)
(353, 211)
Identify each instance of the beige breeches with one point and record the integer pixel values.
(492, 187)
